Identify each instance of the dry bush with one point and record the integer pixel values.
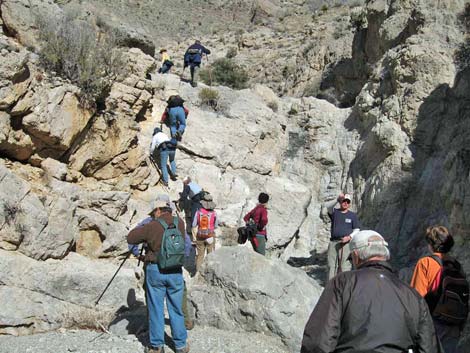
(225, 72)
(85, 318)
(72, 49)
(209, 97)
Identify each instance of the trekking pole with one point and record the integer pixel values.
(140, 255)
(115, 274)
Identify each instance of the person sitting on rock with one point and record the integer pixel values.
(205, 222)
(166, 62)
(190, 199)
(162, 284)
(259, 215)
(162, 149)
(175, 116)
(193, 58)
(369, 309)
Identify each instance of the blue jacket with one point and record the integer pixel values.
(193, 55)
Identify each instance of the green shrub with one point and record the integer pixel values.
(231, 53)
(225, 72)
(324, 8)
(75, 51)
(209, 97)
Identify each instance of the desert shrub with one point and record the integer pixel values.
(273, 105)
(231, 53)
(209, 97)
(324, 8)
(75, 51)
(462, 55)
(225, 72)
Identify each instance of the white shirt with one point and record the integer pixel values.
(157, 140)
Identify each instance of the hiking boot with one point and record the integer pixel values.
(164, 183)
(156, 350)
(183, 350)
(174, 177)
(189, 325)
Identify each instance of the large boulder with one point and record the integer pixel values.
(237, 289)
(46, 295)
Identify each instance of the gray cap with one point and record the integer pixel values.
(362, 239)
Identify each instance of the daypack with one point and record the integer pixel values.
(448, 301)
(206, 224)
(171, 255)
(246, 232)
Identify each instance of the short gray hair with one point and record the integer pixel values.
(376, 246)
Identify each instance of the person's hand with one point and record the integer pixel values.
(340, 197)
(346, 239)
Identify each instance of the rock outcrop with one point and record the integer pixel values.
(238, 289)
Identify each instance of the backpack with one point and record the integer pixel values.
(448, 302)
(171, 254)
(206, 224)
(246, 232)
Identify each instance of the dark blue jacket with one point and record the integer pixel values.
(193, 55)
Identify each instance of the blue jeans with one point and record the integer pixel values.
(164, 156)
(177, 120)
(159, 287)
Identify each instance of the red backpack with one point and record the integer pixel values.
(206, 224)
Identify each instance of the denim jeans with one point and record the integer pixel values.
(177, 118)
(164, 156)
(164, 69)
(159, 287)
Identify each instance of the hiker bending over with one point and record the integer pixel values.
(190, 198)
(432, 276)
(259, 215)
(203, 228)
(174, 116)
(166, 62)
(344, 224)
(369, 309)
(193, 58)
(163, 149)
(163, 274)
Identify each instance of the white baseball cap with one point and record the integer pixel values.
(362, 239)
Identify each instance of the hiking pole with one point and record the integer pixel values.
(115, 274)
(140, 255)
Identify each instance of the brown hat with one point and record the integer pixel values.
(207, 201)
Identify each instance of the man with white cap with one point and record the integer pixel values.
(344, 224)
(369, 309)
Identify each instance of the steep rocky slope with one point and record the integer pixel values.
(75, 179)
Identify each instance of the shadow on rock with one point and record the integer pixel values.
(315, 266)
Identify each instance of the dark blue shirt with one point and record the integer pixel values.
(193, 55)
(342, 224)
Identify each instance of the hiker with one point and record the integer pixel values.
(163, 276)
(188, 322)
(203, 228)
(163, 149)
(428, 278)
(190, 198)
(369, 309)
(175, 115)
(344, 224)
(259, 215)
(193, 58)
(166, 62)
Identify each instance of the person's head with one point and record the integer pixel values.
(345, 202)
(439, 239)
(156, 130)
(368, 245)
(159, 207)
(197, 41)
(163, 51)
(207, 201)
(263, 198)
(187, 180)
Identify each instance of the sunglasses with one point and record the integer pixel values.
(347, 201)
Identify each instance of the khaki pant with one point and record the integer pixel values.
(338, 258)
(202, 247)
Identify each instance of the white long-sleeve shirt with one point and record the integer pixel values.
(157, 140)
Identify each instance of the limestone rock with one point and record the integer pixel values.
(14, 143)
(235, 290)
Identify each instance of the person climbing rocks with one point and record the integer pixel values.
(193, 58)
(175, 115)
(344, 224)
(166, 62)
(163, 275)
(259, 215)
(190, 200)
(204, 224)
(163, 149)
(369, 309)
(428, 278)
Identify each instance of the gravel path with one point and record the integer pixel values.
(202, 340)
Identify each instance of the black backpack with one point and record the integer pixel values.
(449, 303)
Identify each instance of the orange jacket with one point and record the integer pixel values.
(425, 273)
